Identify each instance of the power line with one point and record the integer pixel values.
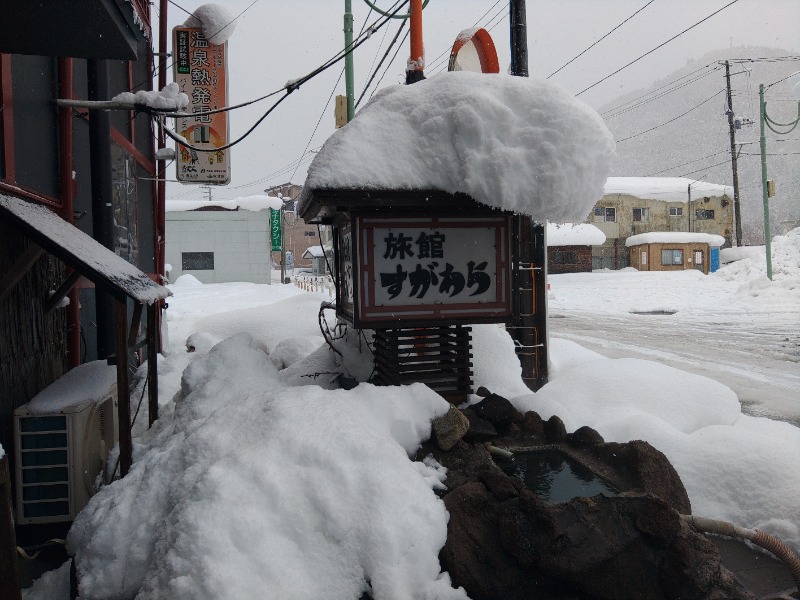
(671, 120)
(600, 40)
(615, 113)
(657, 47)
(375, 72)
(686, 163)
(724, 162)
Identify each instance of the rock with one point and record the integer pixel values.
(554, 430)
(584, 436)
(533, 423)
(480, 430)
(450, 428)
(497, 410)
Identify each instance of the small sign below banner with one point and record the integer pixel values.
(201, 72)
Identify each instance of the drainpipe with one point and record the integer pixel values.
(102, 209)
(67, 193)
(416, 60)
(161, 190)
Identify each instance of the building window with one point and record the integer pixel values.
(605, 213)
(197, 261)
(565, 257)
(702, 214)
(676, 211)
(672, 257)
(641, 214)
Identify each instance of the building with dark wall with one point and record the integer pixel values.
(94, 169)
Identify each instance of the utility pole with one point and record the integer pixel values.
(762, 109)
(416, 61)
(348, 60)
(529, 246)
(731, 126)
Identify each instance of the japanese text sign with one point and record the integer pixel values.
(433, 269)
(275, 228)
(201, 72)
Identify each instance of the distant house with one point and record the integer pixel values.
(220, 241)
(635, 205)
(675, 251)
(569, 247)
(319, 264)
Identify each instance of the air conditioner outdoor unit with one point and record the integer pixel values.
(58, 458)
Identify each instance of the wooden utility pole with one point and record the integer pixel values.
(529, 319)
(731, 126)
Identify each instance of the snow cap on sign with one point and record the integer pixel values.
(514, 143)
(216, 21)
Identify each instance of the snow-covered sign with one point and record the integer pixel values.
(515, 143)
(668, 189)
(675, 237)
(201, 72)
(425, 269)
(571, 234)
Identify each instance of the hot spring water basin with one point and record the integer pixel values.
(554, 476)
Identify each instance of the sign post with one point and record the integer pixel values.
(201, 72)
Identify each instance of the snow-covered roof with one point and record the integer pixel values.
(86, 383)
(515, 143)
(93, 260)
(675, 237)
(315, 252)
(571, 234)
(670, 189)
(253, 203)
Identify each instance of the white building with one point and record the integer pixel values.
(220, 241)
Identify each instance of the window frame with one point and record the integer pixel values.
(678, 211)
(674, 252)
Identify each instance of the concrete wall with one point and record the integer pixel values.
(239, 240)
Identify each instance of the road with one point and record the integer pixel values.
(756, 357)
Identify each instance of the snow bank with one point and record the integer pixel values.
(251, 486)
(669, 189)
(570, 234)
(216, 21)
(514, 143)
(728, 255)
(675, 237)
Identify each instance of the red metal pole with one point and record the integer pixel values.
(416, 61)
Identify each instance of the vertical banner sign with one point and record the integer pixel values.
(201, 72)
(275, 229)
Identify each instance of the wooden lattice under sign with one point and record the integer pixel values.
(439, 357)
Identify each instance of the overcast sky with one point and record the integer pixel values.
(279, 40)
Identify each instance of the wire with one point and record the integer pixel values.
(724, 162)
(686, 163)
(375, 72)
(386, 70)
(671, 120)
(656, 48)
(623, 108)
(600, 40)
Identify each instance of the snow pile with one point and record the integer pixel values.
(250, 486)
(171, 98)
(675, 237)
(728, 255)
(750, 273)
(668, 189)
(570, 234)
(735, 467)
(216, 21)
(514, 143)
(86, 383)
(253, 203)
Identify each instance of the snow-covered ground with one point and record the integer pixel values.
(257, 480)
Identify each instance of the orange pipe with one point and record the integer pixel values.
(417, 58)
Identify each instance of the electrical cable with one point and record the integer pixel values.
(724, 162)
(671, 120)
(386, 70)
(686, 163)
(600, 40)
(375, 72)
(656, 48)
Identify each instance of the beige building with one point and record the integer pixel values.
(674, 251)
(636, 205)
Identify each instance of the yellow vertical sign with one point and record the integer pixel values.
(201, 72)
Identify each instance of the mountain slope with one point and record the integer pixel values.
(678, 127)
